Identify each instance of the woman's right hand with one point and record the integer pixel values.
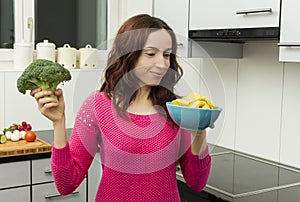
(51, 107)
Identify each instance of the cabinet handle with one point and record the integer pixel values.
(49, 196)
(180, 45)
(290, 44)
(250, 11)
(48, 171)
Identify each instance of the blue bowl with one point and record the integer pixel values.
(193, 118)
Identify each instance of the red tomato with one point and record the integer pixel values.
(30, 136)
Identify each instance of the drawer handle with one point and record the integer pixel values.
(289, 44)
(251, 11)
(48, 171)
(49, 196)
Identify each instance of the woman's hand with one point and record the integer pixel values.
(51, 107)
(199, 142)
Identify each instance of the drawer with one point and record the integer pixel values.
(47, 192)
(15, 194)
(15, 174)
(41, 171)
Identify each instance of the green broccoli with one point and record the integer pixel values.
(43, 74)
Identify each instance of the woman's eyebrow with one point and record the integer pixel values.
(155, 48)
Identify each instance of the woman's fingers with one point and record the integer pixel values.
(42, 94)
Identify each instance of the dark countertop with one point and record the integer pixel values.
(239, 177)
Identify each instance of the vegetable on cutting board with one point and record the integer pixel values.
(16, 132)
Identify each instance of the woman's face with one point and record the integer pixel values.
(154, 60)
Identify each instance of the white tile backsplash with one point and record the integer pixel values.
(259, 101)
(228, 70)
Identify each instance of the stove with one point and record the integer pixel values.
(239, 177)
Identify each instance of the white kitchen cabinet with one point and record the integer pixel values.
(48, 192)
(130, 8)
(289, 46)
(41, 171)
(220, 14)
(15, 174)
(167, 10)
(2, 89)
(16, 194)
(43, 186)
(15, 178)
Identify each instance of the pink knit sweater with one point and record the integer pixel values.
(138, 156)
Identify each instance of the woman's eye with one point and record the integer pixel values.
(150, 54)
(167, 54)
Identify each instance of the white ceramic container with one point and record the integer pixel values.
(66, 56)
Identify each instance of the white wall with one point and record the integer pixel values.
(15, 107)
(2, 101)
(262, 96)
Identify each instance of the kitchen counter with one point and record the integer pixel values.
(45, 137)
(238, 177)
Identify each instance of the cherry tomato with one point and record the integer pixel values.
(30, 136)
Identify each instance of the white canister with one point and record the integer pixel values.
(45, 50)
(88, 57)
(66, 56)
(23, 55)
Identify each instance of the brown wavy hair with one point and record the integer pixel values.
(121, 85)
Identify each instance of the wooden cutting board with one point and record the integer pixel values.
(22, 147)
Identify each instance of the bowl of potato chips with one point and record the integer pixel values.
(193, 112)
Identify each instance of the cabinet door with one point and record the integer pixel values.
(167, 10)
(220, 14)
(15, 194)
(130, 8)
(14, 174)
(289, 32)
(41, 171)
(48, 192)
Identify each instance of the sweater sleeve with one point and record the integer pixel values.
(195, 168)
(71, 163)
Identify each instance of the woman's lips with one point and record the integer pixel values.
(157, 74)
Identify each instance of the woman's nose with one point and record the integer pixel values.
(162, 61)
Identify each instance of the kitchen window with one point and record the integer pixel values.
(23, 12)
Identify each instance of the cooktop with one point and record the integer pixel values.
(240, 177)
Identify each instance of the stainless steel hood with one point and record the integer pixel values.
(239, 35)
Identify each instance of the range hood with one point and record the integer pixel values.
(239, 35)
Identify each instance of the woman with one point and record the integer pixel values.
(127, 119)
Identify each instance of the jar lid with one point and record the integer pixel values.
(46, 43)
(66, 46)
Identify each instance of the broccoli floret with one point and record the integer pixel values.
(43, 74)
